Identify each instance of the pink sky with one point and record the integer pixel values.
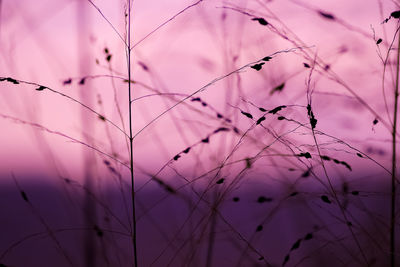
(42, 42)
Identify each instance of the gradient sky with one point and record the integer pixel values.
(224, 94)
(47, 42)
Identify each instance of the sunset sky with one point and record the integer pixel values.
(47, 42)
(234, 103)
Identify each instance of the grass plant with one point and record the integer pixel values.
(222, 134)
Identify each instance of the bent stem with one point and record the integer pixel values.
(128, 47)
(394, 132)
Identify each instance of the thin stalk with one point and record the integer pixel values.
(134, 232)
(394, 133)
(332, 189)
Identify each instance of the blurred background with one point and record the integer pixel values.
(229, 170)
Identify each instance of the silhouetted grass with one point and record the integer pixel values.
(260, 176)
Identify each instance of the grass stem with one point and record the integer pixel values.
(128, 51)
(394, 132)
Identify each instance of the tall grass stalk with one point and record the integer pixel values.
(394, 165)
(128, 52)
